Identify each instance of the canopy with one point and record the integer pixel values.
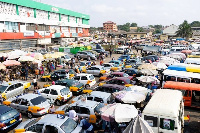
(160, 65)
(11, 63)
(148, 79)
(139, 89)
(149, 72)
(152, 48)
(181, 86)
(2, 66)
(3, 55)
(177, 55)
(177, 67)
(139, 125)
(26, 58)
(38, 56)
(147, 66)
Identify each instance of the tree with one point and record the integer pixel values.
(134, 25)
(195, 24)
(140, 29)
(125, 27)
(184, 30)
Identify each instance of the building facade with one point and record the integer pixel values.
(170, 30)
(33, 22)
(110, 26)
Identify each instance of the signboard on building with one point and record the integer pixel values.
(28, 33)
(74, 34)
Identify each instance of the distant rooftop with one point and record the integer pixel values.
(109, 22)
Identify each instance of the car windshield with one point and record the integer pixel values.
(2, 88)
(120, 49)
(82, 64)
(38, 100)
(125, 75)
(128, 81)
(73, 82)
(8, 115)
(32, 122)
(68, 126)
(64, 91)
(91, 77)
(67, 57)
(98, 107)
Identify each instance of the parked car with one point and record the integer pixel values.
(110, 88)
(56, 94)
(65, 58)
(102, 51)
(87, 79)
(117, 65)
(119, 81)
(74, 86)
(130, 63)
(130, 71)
(96, 70)
(153, 58)
(99, 96)
(9, 118)
(108, 65)
(87, 109)
(30, 104)
(93, 52)
(14, 88)
(50, 123)
(85, 55)
(141, 46)
(120, 50)
(114, 74)
(124, 58)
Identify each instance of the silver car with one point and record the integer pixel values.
(50, 123)
(85, 55)
(30, 104)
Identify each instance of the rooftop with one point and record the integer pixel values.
(109, 22)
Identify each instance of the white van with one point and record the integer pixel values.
(165, 111)
(120, 50)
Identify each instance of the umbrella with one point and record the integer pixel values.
(139, 125)
(149, 72)
(108, 112)
(147, 66)
(139, 89)
(46, 56)
(160, 65)
(129, 96)
(168, 61)
(17, 52)
(38, 56)
(13, 56)
(3, 55)
(2, 66)
(148, 79)
(11, 63)
(26, 58)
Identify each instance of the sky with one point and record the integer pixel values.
(142, 12)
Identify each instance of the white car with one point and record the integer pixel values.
(56, 94)
(87, 79)
(97, 70)
(108, 65)
(100, 96)
(65, 58)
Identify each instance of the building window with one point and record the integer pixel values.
(30, 27)
(12, 26)
(43, 27)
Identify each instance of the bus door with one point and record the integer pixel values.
(188, 98)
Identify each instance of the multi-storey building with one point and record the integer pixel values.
(110, 26)
(34, 23)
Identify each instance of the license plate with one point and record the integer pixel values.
(12, 121)
(68, 95)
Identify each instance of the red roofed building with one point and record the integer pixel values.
(110, 26)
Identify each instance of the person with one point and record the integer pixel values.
(72, 114)
(36, 73)
(35, 83)
(113, 58)
(86, 126)
(53, 83)
(101, 62)
(67, 75)
(110, 50)
(51, 109)
(26, 73)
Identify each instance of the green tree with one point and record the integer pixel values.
(184, 30)
(125, 27)
(134, 25)
(140, 29)
(195, 24)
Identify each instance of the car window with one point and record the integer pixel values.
(18, 85)
(36, 128)
(24, 102)
(50, 129)
(68, 126)
(84, 78)
(98, 99)
(12, 87)
(38, 100)
(16, 101)
(89, 98)
(46, 91)
(77, 78)
(64, 91)
(76, 108)
(84, 110)
(63, 72)
(91, 77)
(8, 115)
(2, 88)
(53, 92)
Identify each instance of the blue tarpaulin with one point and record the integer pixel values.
(177, 68)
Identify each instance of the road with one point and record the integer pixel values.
(193, 127)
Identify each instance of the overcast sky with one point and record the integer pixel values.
(142, 12)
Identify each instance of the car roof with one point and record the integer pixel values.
(100, 94)
(52, 119)
(10, 83)
(121, 73)
(97, 66)
(29, 96)
(120, 78)
(87, 103)
(56, 87)
(4, 109)
(113, 86)
(83, 74)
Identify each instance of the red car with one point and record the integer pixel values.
(114, 74)
(119, 81)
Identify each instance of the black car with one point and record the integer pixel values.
(131, 71)
(102, 51)
(151, 58)
(9, 118)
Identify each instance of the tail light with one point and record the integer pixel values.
(188, 117)
(2, 125)
(20, 116)
(40, 109)
(89, 81)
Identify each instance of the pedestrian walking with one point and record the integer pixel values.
(110, 50)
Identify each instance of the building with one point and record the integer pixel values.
(137, 35)
(110, 26)
(27, 23)
(170, 30)
(195, 32)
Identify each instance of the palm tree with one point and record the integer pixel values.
(184, 30)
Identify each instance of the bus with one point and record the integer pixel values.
(165, 111)
(181, 76)
(190, 91)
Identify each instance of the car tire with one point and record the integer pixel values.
(106, 55)
(57, 102)
(87, 86)
(26, 91)
(29, 115)
(100, 75)
(45, 80)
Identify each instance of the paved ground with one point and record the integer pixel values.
(193, 127)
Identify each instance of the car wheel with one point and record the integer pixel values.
(45, 79)
(4, 99)
(87, 86)
(29, 115)
(26, 91)
(106, 55)
(100, 75)
(57, 102)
